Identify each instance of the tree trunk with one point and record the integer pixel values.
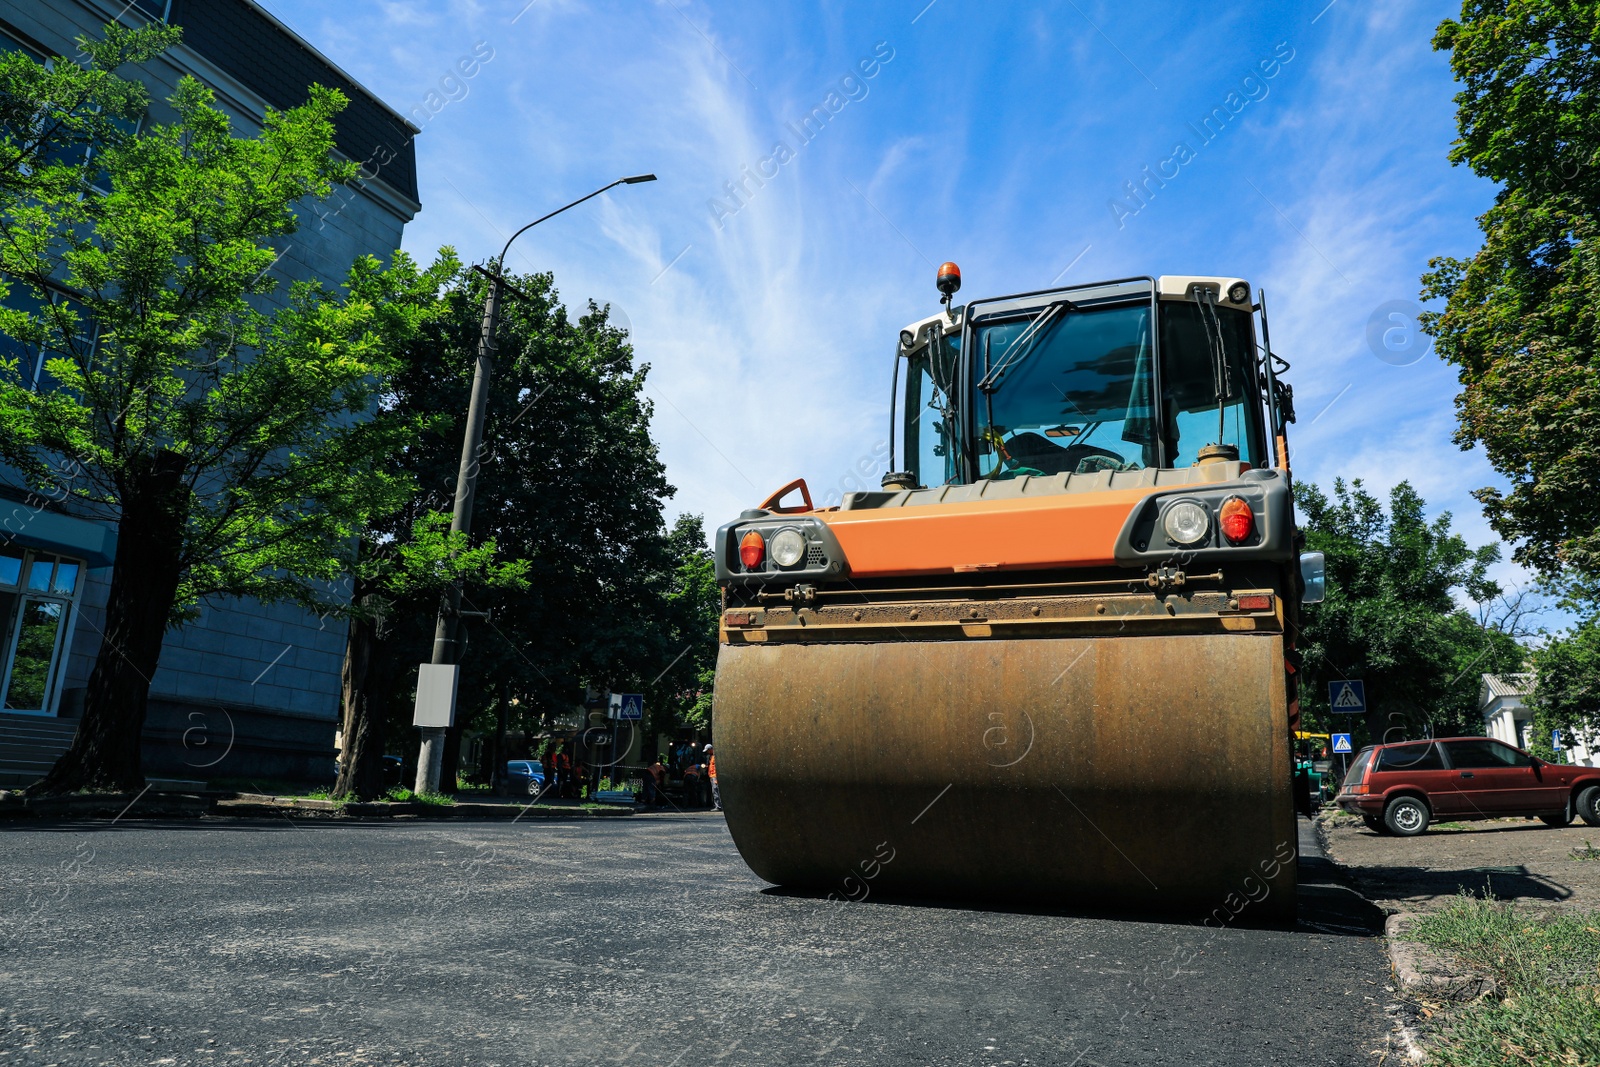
(105, 752)
(361, 761)
(452, 757)
(496, 770)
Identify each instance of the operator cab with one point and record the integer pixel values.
(1066, 381)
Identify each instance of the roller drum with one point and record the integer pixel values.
(1147, 772)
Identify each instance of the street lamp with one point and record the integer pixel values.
(430, 763)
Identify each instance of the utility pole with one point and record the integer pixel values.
(430, 762)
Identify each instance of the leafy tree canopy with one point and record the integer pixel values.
(399, 570)
(169, 354)
(1391, 617)
(52, 115)
(692, 606)
(1566, 693)
(569, 481)
(1521, 320)
(224, 427)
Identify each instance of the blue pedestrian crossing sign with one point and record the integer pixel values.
(1341, 744)
(1347, 696)
(629, 706)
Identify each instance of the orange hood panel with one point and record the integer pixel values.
(1066, 530)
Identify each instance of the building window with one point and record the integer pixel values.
(31, 358)
(38, 595)
(156, 9)
(11, 41)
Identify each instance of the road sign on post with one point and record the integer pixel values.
(1341, 744)
(1347, 696)
(629, 706)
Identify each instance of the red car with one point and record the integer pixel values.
(1400, 788)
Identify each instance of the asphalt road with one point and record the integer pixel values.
(631, 941)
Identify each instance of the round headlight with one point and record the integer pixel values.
(1186, 522)
(1239, 292)
(788, 547)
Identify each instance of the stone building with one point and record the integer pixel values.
(247, 690)
(1503, 700)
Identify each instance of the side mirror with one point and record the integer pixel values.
(1313, 577)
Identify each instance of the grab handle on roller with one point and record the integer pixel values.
(771, 503)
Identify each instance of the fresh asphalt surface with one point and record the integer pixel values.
(631, 941)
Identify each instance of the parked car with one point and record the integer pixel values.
(394, 771)
(526, 775)
(1401, 788)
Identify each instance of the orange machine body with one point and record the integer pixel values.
(1056, 522)
(1070, 530)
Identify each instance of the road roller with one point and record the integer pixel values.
(1050, 659)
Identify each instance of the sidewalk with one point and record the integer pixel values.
(1513, 859)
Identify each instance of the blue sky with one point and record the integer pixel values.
(996, 135)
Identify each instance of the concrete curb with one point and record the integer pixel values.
(1422, 972)
(144, 805)
(1424, 977)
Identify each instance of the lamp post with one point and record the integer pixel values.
(431, 760)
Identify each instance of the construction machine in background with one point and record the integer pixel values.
(1313, 767)
(1050, 660)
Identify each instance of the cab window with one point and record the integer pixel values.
(1196, 373)
(930, 443)
(1065, 391)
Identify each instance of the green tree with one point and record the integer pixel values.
(1521, 320)
(690, 614)
(52, 115)
(1391, 617)
(569, 480)
(229, 443)
(390, 569)
(1566, 693)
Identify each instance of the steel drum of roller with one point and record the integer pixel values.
(1063, 772)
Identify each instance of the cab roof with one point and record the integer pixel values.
(1168, 287)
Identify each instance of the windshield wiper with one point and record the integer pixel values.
(1024, 344)
(1221, 379)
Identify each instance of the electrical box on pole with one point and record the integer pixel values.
(436, 696)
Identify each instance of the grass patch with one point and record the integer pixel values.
(1587, 852)
(1449, 826)
(402, 795)
(1548, 972)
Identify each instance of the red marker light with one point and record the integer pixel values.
(752, 550)
(949, 278)
(1236, 519)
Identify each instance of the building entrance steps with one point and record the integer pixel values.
(30, 746)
